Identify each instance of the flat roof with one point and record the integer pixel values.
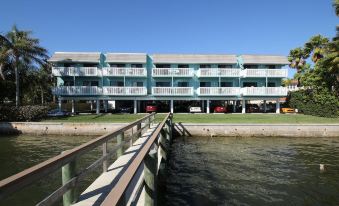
(265, 59)
(126, 57)
(195, 58)
(75, 57)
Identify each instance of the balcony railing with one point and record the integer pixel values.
(219, 91)
(77, 90)
(74, 71)
(122, 71)
(264, 73)
(264, 91)
(175, 72)
(218, 72)
(135, 91)
(172, 91)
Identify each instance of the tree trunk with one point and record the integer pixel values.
(42, 96)
(17, 89)
(2, 76)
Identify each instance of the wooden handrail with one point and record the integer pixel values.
(117, 192)
(32, 174)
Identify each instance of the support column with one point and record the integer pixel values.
(277, 107)
(243, 110)
(172, 109)
(91, 105)
(135, 106)
(234, 106)
(105, 105)
(138, 106)
(60, 104)
(98, 107)
(265, 106)
(72, 106)
(208, 106)
(203, 105)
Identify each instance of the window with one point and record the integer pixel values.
(182, 65)
(138, 84)
(116, 83)
(90, 65)
(271, 66)
(271, 84)
(182, 84)
(249, 84)
(136, 65)
(117, 65)
(251, 66)
(162, 84)
(86, 83)
(163, 66)
(226, 84)
(68, 83)
(205, 84)
(205, 66)
(94, 83)
(224, 65)
(69, 65)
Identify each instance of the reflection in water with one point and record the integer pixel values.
(20, 152)
(253, 171)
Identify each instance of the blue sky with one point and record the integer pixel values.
(172, 26)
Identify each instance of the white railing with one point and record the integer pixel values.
(216, 72)
(264, 73)
(293, 88)
(125, 91)
(264, 91)
(124, 71)
(175, 72)
(218, 91)
(74, 71)
(77, 90)
(172, 91)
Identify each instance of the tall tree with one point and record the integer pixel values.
(18, 48)
(298, 57)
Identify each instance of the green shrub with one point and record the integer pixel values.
(23, 113)
(312, 102)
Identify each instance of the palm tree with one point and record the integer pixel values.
(336, 6)
(19, 48)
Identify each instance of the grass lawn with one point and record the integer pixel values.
(205, 118)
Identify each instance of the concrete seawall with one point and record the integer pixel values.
(259, 130)
(54, 128)
(231, 130)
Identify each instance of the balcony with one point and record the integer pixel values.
(122, 71)
(175, 72)
(264, 91)
(75, 71)
(129, 91)
(280, 73)
(219, 91)
(77, 90)
(218, 72)
(172, 91)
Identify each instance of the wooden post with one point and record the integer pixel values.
(68, 172)
(104, 152)
(150, 176)
(138, 128)
(120, 140)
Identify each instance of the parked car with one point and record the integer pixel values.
(251, 108)
(57, 113)
(195, 109)
(151, 108)
(220, 109)
(287, 110)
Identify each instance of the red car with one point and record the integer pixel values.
(151, 108)
(220, 109)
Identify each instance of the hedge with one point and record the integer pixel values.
(23, 113)
(317, 103)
